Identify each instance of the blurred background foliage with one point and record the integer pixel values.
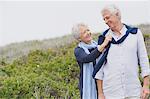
(44, 69)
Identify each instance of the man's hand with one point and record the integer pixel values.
(101, 96)
(145, 93)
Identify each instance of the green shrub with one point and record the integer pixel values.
(41, 74)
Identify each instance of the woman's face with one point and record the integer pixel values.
(85, 34)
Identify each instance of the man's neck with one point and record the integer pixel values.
(118, 29)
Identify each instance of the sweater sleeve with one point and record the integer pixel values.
(83, 57)
(142, 55)
(101, 39)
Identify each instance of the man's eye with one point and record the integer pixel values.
(107, 18)
(87, 30)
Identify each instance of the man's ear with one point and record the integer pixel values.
(117, 14)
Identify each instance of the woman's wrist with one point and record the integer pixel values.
(101, 47)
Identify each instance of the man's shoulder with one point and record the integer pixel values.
(105, 32)
(101, 39)
(132, 29)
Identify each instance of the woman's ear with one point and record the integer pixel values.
(79, 39)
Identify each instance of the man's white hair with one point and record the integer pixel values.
(113, 9)
(76, 30)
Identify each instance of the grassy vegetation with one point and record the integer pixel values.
(41, 69)
(41, 74)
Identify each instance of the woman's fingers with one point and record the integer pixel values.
(109, 37)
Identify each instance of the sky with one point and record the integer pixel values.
(23, 20)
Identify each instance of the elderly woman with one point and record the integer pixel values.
(86, 53)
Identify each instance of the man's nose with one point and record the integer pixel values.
(106, 21)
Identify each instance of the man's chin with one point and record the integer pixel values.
(112, 28)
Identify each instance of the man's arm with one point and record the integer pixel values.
(142, 56)
(146, 82)
(145, 90)
(100, 89)
(144, 64)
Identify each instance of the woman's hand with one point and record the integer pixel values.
(108, 38)
(105, 43)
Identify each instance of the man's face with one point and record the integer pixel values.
(85, 34)
(110, 19)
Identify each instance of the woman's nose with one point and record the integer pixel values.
(88, 32)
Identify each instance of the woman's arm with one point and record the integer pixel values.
(83, 57)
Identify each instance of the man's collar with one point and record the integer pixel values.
(122, 31)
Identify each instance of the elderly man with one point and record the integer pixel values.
(119, 77)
